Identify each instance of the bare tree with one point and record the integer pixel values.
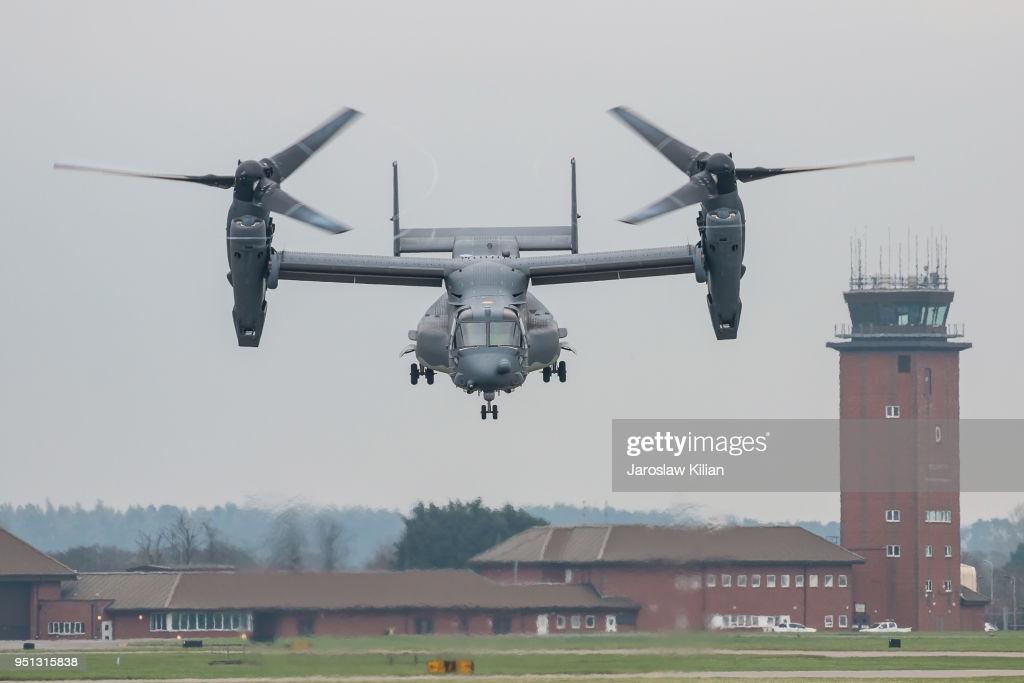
(330, 541)
(383, 557)
(183, 538)
(288, 540)
(150, 548)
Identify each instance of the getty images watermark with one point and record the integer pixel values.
(883, 455)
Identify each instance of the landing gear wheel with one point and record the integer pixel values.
(483, 412)
(494, 412)
(561, 371)
(546, 373)
(414, 374)
(429, 374)
(488, 409)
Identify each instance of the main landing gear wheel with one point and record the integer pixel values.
(561, 371)
(414, 374)
(546, 373)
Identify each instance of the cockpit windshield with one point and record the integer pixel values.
(498, 333)
(471, 334)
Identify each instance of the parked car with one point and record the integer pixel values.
(885, 627)
(792, 627)
(990, 628)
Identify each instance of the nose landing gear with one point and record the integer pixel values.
(488, 408)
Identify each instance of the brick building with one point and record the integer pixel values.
(27, 579)
(690, 578)
(268, 605)
(899, 382)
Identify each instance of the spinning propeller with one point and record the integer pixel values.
(711, 175)
(259, 182)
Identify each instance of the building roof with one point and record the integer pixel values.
(124, 590)
(20, 560)
(631, 543)
(424, 589)
(972, 597)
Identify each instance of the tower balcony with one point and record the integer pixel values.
(879, 331)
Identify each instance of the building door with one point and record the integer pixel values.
(107, 630)
(14, 610)
(542, 624)
(610, 623)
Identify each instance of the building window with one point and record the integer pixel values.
(927, 551)
(741, 580)
(709, 581)
(902, 363)
(568, 576)
(828, 580)
(784, 580)
(423, 625)
(590, 621)
(892, 515)
(798, 580)
(927, 585)
(843, 621)
(726, 580)
(927, 381)
(65, 628)
(560, 622)
(755, 581)
(892, 412)
(812, 581)
(828, 621)
(938, 516)
(769, 581)
(207, 621)
(947, 586)
(158, 621)
(949, 551)
(892, 551)
(842, 581)
(575, 622)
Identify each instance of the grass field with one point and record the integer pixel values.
(549, 656)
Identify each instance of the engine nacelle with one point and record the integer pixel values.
(722, 251)
(248, 241)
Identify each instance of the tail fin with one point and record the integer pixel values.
(394, 207)
(575, 239)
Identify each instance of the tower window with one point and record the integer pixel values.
(928, 551)
(927, 585)
(949, 551)
(927, 381)
(938, 516)
(892, 412)
(947, 586)
(903, 363)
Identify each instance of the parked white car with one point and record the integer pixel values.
(885, 627)
(792, 627)
(990, 628)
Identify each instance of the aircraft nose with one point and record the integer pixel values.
(490, 368)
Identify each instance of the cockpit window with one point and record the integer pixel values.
(471, 334)
(504, 334)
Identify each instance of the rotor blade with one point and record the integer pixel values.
(222, 181)
(679, 153)
(277, 200)
(699, 189)
(758, 172)
(288, 160)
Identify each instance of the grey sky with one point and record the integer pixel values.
(121, 378)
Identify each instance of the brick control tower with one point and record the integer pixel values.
(899, 365)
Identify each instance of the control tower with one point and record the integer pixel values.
(899, 365)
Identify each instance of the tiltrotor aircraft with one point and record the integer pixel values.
(486, 330)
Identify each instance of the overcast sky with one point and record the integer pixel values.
(121, 379)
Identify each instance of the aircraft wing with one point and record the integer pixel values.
(353, 268)
(609, 265)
